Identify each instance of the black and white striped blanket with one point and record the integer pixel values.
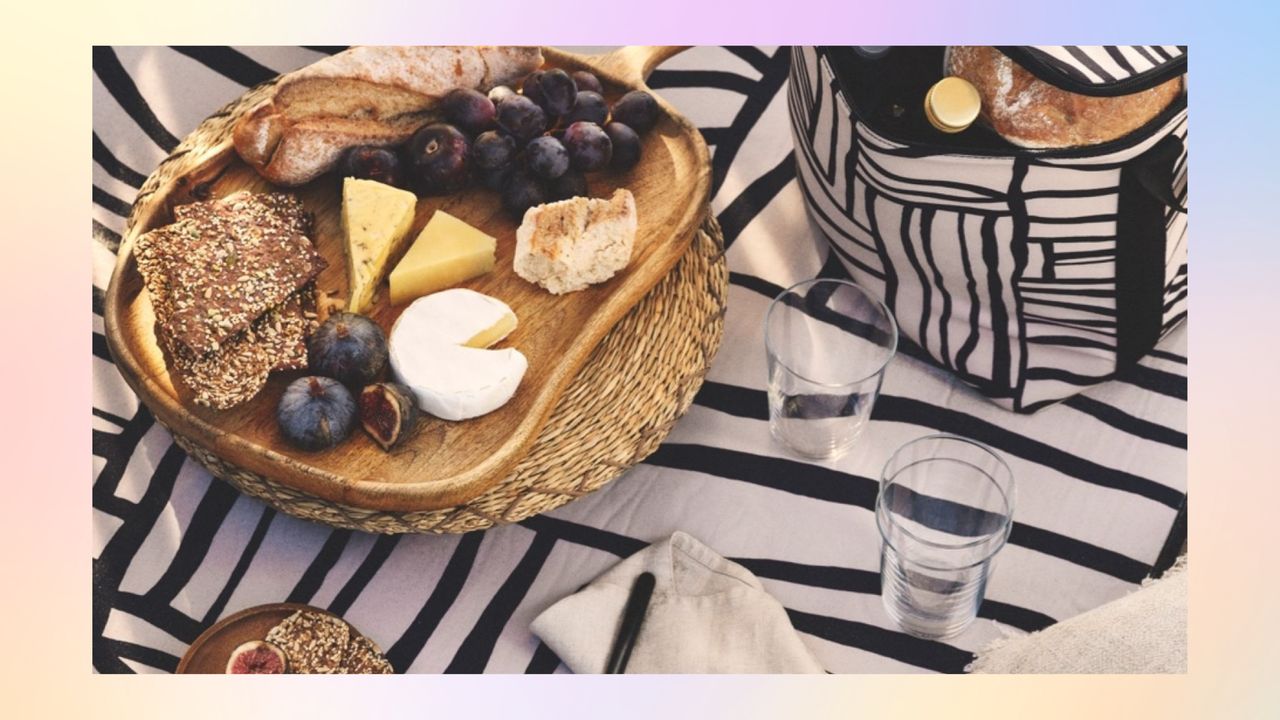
(1102, 477)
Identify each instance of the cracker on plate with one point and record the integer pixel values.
(314, 642)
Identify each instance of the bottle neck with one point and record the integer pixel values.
(952, 104)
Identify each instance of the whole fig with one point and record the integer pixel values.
(349, 348)
(316, 413)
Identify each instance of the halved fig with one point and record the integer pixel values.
(388, 412)
(257, 657)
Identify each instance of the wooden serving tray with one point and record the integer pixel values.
(445, 463)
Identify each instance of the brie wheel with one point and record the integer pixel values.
(431, 351)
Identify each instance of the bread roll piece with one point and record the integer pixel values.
(1030, 112)
(364, 96)
(566, 246)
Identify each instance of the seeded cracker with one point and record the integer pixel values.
(364, 658)
(236, 367)
(225, 263)
(286, 207)
(234, 374)
(314, 643)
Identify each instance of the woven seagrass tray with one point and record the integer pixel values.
(622, 401)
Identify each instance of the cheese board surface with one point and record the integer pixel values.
(443, 463)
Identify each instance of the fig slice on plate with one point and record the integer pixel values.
(257, 657)
(388, 412)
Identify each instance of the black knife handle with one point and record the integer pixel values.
(629, 629)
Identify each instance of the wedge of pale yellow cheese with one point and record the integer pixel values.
(375, 223)
(448, 251)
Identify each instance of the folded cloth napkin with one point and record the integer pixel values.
(707, 615)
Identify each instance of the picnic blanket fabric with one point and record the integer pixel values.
(1101, 477)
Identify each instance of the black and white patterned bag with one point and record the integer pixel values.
(1030, 274)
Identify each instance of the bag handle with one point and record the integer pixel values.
(1154, 171)
(1146, 195)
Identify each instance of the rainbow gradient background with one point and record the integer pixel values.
(46, 120)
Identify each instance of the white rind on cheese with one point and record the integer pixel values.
(452, 381)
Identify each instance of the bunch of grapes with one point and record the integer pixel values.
(531, 146)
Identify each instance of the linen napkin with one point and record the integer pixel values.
(707, 615)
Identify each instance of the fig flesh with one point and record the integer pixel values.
(257, 657)
(388, 412)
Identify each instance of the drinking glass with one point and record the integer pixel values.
(944, 510)
(827, 343)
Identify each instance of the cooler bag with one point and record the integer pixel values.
(1030, 274)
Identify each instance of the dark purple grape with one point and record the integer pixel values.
(521, 118)
(589, 107)
(439, 155)
(532, 87)
(522, 191)
(493, 149)
(587, 81)
(372, 163)
(637, 109)
(571, 184)
(494, 178)
(589, 147)
(557, 91)
(499, 92)
(626, 145)
(546, 157)
(469, 110)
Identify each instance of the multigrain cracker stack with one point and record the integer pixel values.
(316, 643)
(235, 373)
(232, 284)
(224, 264)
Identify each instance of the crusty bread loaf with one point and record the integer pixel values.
(425, 70)
(364, 96)
(566, 246)
(1030, 112)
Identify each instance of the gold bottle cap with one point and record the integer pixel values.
(952, 104)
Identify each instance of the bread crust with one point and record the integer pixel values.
(1032, 113)
(567, 245)
(376, 95)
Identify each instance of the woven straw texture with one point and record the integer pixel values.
(642, 378)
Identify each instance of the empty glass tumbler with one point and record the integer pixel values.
(945, 508)
(827, 343)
